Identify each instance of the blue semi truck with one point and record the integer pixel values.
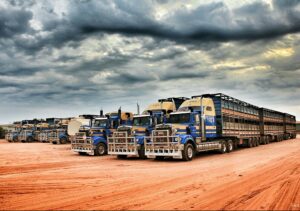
(217, 122)
(12, 135)
(59, 133)
(29, 130)
(129, 140)
(92, 139)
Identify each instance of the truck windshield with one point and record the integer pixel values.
(141, 121)
(179, 118)
(100, 123)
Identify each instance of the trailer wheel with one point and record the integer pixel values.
(249, 143)
(142, 152)
(257, 141)
(223, 147)
(229, 146)
(100, 150)
(254, 142)
(121, 156)
(235, 144)
(264, 140)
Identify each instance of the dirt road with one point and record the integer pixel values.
(43, 176)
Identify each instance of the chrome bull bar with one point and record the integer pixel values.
(82, 143)
(163, 144)
(43, 137)
(9, 137)
(122, 144)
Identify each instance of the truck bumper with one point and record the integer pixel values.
(126, 145)
(54, 140)
(86, 148)
(123, 150)
(155, 151)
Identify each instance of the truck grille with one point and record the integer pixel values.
(163, 144)
(82, 143)
(122, 144)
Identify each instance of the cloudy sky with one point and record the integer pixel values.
(64, 58)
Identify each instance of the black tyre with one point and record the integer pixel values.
(82, 153)
(122, 156)
(100, 150)
(142, 152)
(63, 140)
(257, 142)
(223, 147)
(188, 152)
(250, 143)
(229, 146)
(264, 141)
(15, 139)
(254, 143)
(159, 158)
(29, 139)
(235, 144)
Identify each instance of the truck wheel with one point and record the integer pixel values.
(101, 149)
(188, 152)
(254, 142)
(249, 143)
(229, 146)
(63, 141)
(142, 152)
(263, 140)
(235, 144)
(121, 156)
(82, 153)
(159, 158)
(29, 139)
(223, 148)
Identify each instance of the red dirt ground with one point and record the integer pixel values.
(38, 176)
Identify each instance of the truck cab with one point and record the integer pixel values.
(129, 140)
(12, 135)
(59, 134)
(42, 132)
(92, 139)
(27, 133)
(190, 129)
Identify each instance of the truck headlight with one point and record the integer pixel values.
(178, 139)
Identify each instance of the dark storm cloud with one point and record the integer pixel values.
(14, 22)
(127, 78)
(184, 74)
(97, 53)
(212, 22)
(209, 22)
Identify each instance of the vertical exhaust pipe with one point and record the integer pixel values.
(202, 121)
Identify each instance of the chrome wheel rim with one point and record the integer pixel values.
(230, 146)
(101, 149)
(190, 152)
